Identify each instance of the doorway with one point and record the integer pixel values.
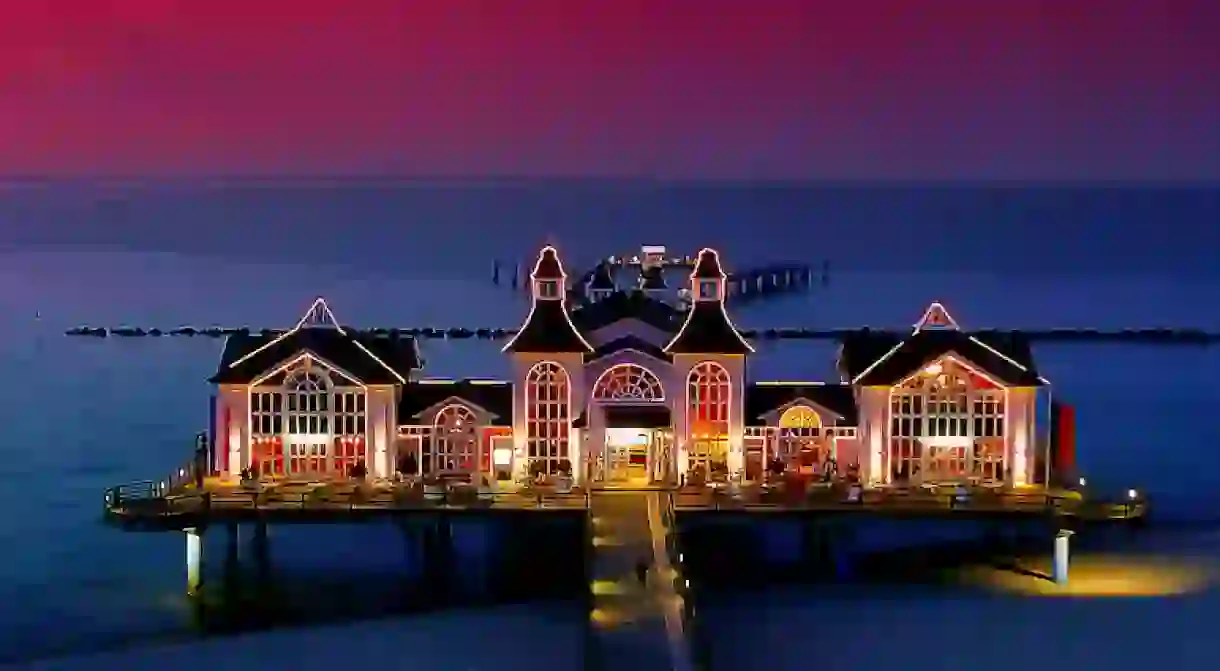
(628, 454)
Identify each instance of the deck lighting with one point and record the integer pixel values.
(1132, 494)
(679, 556)
(1082, 482)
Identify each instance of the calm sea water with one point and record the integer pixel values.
(82, 414)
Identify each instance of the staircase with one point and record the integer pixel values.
(636, 626)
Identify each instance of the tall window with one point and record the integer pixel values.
(708, 392)
(455, 441)
(800, 436)
(946, 423)
(547, 407)
(312, 422)
(628, 382)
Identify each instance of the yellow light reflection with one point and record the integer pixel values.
(603, 587)
(605, 541)
(1102, 576)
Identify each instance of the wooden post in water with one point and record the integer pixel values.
(1060, 569)
(194, 561)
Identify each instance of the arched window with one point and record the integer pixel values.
(800, 436)
(946, 423)
(547, 406)
(709, 393)
(628, 382)
(455, 441)
(312, 422)
(308, 419)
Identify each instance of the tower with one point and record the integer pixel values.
(709, 357)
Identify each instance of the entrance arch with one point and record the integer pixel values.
(628, 382)
(634, 445)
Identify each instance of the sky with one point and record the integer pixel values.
(671, 89)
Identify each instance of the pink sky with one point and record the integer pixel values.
(875, 89)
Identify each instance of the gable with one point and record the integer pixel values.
(624, 305)
(628, 343)
(764, 399)
(247, 357)
(926, 346)
(493, 397)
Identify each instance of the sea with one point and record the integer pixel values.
(82, 414)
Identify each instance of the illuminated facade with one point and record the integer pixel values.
(630, 389)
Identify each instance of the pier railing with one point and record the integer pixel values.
(897, 500)
(148, 499)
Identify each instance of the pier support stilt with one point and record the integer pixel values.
(194, 561)
(1060, 569)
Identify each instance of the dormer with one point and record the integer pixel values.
(652, 281)
(601, 284)
(708, 329)
(547, 328)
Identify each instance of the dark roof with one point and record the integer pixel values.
(628, 342)
(635, 416)
(860, 349)
(493, 396)
(708, 265)
(548, 329)
(652, 278)
(548, 266)
(631, 304)
(602, 278)
(765, 397)
(1007, 357)
(708, 331)
(338, 347)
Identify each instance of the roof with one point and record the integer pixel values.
(764, 397)
(652, 278)
(1008, 358)
(628, 342)
(382, 361)
(708, 329)
(861, 349)
(547, 328)
(627, 304)
(602, 278)
(494, 396)
(548, 266)
(708, 265)
(372, 359)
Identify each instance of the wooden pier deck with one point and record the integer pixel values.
(150, 506)
(978, 502)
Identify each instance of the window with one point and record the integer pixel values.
(945, 424)
(547, 404)
(628, 382)
(455, 441)
(310, 423)
(800, 437)
(709, 289)
(548, 289)
(709, 393)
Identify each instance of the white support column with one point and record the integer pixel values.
(194, 561)
(1062, 550)
(233, 407)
